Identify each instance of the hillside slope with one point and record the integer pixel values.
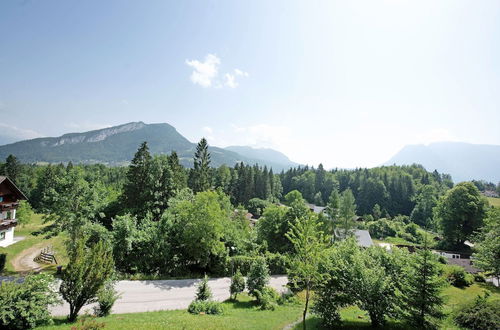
(464, 161)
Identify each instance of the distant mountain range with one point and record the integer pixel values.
(117, 146)
(464, 161)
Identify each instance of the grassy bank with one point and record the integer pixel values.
(494, 201)
(240, 314)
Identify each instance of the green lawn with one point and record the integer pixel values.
(354, 318)
(242, 314)
(31, 232)
(494, 201)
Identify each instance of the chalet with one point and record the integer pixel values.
(315, 208)
(10, 196)
(363, 237)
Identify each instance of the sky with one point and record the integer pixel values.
(342, 83)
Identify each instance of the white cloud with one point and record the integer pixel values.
(18, 133)
(205, 72)
(264, 135)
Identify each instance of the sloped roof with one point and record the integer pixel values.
(12, 187)
(363, 237)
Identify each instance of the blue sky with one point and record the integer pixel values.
(345, 83)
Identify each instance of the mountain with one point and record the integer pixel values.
(117, 146)
(464, 161)
(267, 154)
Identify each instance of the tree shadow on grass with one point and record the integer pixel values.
(314, 322)
(238, 304)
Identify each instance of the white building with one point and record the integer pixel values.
(10, 196)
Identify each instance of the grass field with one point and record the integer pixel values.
(354, 318)
(494, 201)
(32, 237)
(241, 314)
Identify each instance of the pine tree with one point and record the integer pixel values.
(203, 291)
(136, 189)
(423, 295)
(237, 284)
(12, 168)
(178, 172)
(200, 175)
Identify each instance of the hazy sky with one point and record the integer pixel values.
(345, 83)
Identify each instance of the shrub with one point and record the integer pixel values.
(277, 262)
(25, 305)
(288, 298)
(3, 259)
(457, 276)
(481, 314)
(206, 306)
(243, 263)
(267, 298)
(203, 291)
(258, 277)
(106, 298)
(237, 284)
(479, 278)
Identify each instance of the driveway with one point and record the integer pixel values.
(147, 296)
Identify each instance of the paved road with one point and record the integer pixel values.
(147, 296)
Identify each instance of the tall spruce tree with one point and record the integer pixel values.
(423, 299)
(200, 175)
(136, 189)
(12, 168)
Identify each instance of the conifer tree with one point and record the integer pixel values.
(423, 294)
(136, 189)
(200, 175)
(12, 168)
(203, 291)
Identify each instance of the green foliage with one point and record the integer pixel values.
(423, 294)
(12, 168)
(24, 212)
(256, 206)
(24, 305)
(426, 201)
(200, 179)
(203, 291)
(267, 298)
(460, 212)
(487, 255)
(258, 277)
(3, 260)
(347, 211)
(237, 284)
(88, 322)
(106, 298)
(309, 243)
(483, 313)
(206, 307)
(87, 272)
(457, 276)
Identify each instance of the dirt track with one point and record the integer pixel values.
(24, 263)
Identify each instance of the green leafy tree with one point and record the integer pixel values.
(426, 201)
(200, 175)
(347, 211)
(136, 190)
(487, 254)
(24, 212)
(309, 244)
(88, 270)
(25, 305)
(203, 291)
(422, 298)
(160, 185)
(258, 277)
(237, 284)
(377, 212)
(460, 212)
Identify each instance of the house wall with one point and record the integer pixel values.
(9, 237)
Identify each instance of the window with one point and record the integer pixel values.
(2, 235)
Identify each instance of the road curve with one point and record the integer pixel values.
(148, 296)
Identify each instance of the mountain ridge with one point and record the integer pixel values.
(116, 146)
(463, 161)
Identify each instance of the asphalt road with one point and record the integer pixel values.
(147, 296)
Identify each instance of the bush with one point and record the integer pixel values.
(106, 298)
(457, 276)
(243, 263)
(481, 314)
(288, 298)
(3, 259)
(258, 277)
(267, 298)
(479, 278)
(203, 291)
(237, 284)
(25, 305)
(277, 262)
(206, 307)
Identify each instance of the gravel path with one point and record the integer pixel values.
(147, 296)
(24, 263)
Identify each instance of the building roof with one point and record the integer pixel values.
(315, 208)
(363, 237)
(5, 180)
